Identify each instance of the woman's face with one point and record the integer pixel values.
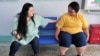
(30, 12)
(71, 11)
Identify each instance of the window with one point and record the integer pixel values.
(92, 5)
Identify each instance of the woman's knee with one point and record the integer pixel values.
(79, 39)
(65, 39)
(15, 43)
(35, 40)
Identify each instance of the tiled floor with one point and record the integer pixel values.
(50, 50)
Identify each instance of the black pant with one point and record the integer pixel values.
(15, 46)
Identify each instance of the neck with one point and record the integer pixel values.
(74, 14)
(28, 18)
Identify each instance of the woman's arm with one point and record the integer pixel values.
(86, 31)
(59, 25)
(16, 35)
(57, 33)
(14, 32)
(52, 21)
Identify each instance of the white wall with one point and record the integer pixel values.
(45, 8)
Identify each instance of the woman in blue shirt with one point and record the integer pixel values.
(25, 29)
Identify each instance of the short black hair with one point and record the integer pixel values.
(74, 5)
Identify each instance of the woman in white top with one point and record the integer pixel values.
(25, 29)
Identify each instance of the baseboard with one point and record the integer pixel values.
(4, 38)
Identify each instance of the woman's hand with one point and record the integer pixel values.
(18, 36)
(86, 31)
(57, 38)
(87, 38)
(57, 33)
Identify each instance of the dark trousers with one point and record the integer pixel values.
(66, 39)
(15, 46)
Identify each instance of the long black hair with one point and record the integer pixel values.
(22, 20)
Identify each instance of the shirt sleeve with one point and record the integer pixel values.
(44, 21)
(15, 23)
(84, 22)
(60, 22)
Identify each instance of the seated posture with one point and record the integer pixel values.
(25, 29)
(72, 28)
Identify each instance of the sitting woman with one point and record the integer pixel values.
(26, 30)
(72, 28)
